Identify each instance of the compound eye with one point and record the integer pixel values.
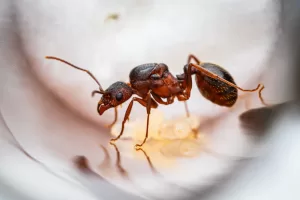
(119, 96)
(155, 76)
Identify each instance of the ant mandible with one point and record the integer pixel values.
(152, 82)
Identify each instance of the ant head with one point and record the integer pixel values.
(114, 95)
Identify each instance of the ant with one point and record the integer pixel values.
(153, 82)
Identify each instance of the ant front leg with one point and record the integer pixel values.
(184, 98)
(143, 102)
(126, 117)
(150, 103)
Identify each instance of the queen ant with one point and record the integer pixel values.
(153, 84)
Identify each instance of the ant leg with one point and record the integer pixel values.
(160, 101)
(261, 98)
(182, 97)
(153, 104)
(212, 75)
(116, 118)
(189, 82)
(186, 109)
(128, 111)
(193, 57)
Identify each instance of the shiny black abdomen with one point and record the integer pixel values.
(214, 90)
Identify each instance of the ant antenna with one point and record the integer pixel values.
(96, 92)
(70, 64)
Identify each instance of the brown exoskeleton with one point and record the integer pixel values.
(154, 84)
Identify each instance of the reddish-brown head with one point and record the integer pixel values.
(114, 95)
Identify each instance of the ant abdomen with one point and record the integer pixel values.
(214, 90)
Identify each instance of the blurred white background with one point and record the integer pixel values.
(47, 105)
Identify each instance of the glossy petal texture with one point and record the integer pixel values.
(47, 105)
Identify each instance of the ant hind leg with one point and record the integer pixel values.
(184, 99)
(190, 58)
(259, 87)
(261, 97)
(193, 57)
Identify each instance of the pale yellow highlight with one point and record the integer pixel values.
(168, 139)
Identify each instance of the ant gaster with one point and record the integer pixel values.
(154, 84)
